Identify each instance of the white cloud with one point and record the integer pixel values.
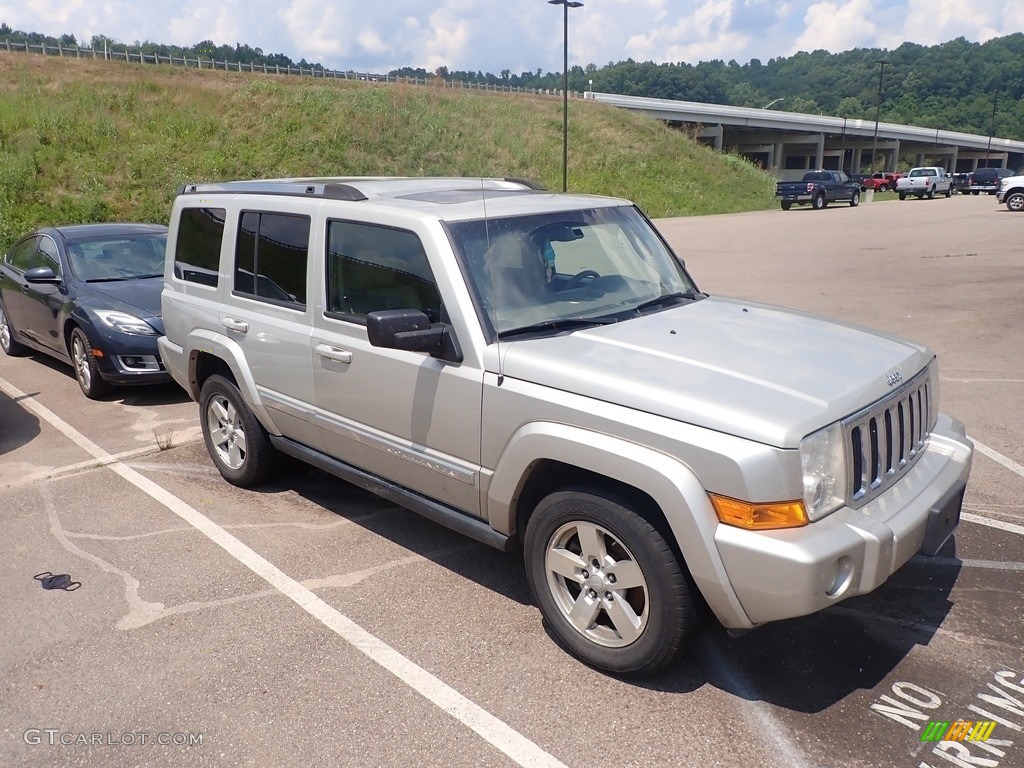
(522, 35)
(837, 27)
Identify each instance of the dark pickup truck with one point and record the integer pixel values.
(818, 188)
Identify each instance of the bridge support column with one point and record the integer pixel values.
(819, 152)
(715, 132)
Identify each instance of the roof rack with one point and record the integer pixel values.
(297, 189)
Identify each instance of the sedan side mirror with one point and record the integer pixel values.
(411, 330)
(41, 276)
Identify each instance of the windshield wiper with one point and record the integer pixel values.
(121, 278)
(669, 298)
(560, 324)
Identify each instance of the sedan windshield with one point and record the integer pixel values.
(539, 272)
(129, 257)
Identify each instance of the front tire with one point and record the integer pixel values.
(235, 440)
(1015, 201)
(87, 370)
(11, 346)
(609, 586)
(855, 200)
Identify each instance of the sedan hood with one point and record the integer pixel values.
(759, 372)
(138, 297)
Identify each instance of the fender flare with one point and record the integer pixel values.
(218, 345)
(673, 486)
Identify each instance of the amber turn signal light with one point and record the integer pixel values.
(759, 517)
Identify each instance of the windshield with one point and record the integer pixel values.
(127, 257)
(599, 264)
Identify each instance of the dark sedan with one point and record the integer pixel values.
(89, 295)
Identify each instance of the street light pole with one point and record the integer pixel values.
(991, 127)
(566, 5)
(878, 110)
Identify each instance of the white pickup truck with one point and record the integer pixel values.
(925, 182)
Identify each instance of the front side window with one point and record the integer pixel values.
(567, 269)
(197, 250)
(271, 256)
(23, 254)
(48, 255)
(371, 268)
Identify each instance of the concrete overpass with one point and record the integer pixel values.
(789, 143)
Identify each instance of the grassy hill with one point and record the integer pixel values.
(84, 140)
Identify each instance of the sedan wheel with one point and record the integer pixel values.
(87, 372)
(608, 584)
(8, 343)
(236, 441)
(1015, 201)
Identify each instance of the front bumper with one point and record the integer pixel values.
(128, 359)
(788, 573)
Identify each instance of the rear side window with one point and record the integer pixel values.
(271, 257)
(197, 251)
(371, 267)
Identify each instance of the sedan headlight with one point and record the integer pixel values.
(823, 459)
(125, 323)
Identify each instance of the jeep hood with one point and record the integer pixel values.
(751, 370)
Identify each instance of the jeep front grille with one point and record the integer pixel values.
(887, 438)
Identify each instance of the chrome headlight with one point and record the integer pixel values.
(125, 323)
(823, 460)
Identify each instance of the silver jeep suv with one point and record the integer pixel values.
(539, 371)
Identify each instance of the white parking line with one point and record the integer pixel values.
(1000, 524)
(997, 457)
(494, 731)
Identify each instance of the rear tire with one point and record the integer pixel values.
(819, 202)
(786, 205)
(903, 195)
(11, 346)
(931, 193)
(609, 586)
(234, 438)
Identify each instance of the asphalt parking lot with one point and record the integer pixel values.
(310, 623)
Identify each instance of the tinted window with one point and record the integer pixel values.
(371, 268)
(48, 256)
(197, 251)
(271, 256)
(23, 254)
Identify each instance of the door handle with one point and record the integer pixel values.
(333, 353)
(234, 325)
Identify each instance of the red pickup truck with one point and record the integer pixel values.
(880, 182)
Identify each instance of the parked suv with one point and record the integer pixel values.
(539, 371)
(987, 180)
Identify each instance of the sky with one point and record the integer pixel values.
(521, 35)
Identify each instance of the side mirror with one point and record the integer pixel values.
(41, 276)
(411, 330)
